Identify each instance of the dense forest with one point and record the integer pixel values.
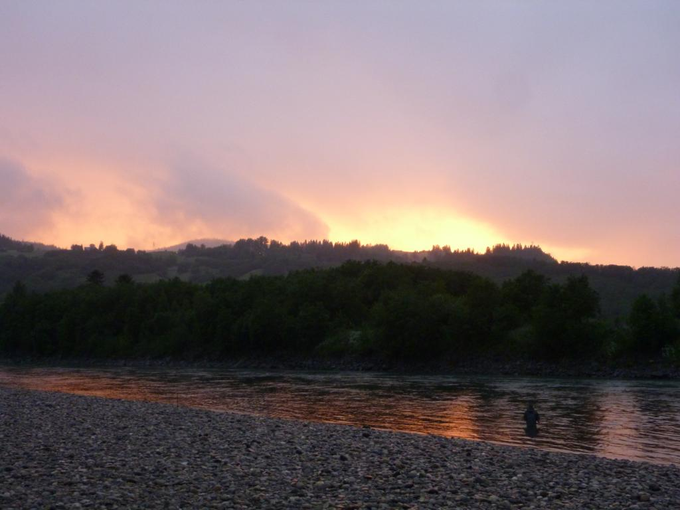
(9, 244)
(364, 309)
(46, 268)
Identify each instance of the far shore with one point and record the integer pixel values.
(649, 369)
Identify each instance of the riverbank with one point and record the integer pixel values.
(648, 369)
(67, 451)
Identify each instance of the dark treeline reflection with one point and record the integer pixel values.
(406, 312)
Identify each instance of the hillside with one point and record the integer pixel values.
(618, 286)
(401, 312)
(9, 244)
(207, 242)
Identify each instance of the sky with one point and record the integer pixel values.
(462, 123)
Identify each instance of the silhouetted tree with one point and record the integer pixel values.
(19, 291)
(652, 324)
(124, 279)
(524, 292)
(95, 278)
(564, 321)
(675, 298)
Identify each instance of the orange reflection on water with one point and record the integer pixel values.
(637, 420)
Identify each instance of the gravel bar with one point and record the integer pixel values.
(68, 451)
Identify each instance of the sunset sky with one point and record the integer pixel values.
(467, 123)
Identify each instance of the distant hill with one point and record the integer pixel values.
(207, 242)
(197, 261)
(9, 244)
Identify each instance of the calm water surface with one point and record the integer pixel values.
(636, 420)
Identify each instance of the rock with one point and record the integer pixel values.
(72, 451)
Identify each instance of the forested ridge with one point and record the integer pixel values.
(409, 312)
(7, 244)
(45, 269)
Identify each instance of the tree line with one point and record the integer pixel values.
(364, 309)
(7, 243)
(47, 268)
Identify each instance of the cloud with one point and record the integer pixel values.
(197, 199)
(556, 125)
(27, 204)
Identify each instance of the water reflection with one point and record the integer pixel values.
(638, 420)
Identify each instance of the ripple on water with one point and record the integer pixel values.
(635, 420)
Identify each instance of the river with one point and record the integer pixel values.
(635, 420)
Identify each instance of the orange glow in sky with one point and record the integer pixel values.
(410, 124)
(415, 229)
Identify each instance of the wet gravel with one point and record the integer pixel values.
(67, 451)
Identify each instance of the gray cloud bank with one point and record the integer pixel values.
(27, 204)
(191, 199)
(228, 206)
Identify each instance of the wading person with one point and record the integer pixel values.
(532, 419)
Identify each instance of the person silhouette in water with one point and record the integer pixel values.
(531, 418)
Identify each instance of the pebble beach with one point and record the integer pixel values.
(68, 451)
